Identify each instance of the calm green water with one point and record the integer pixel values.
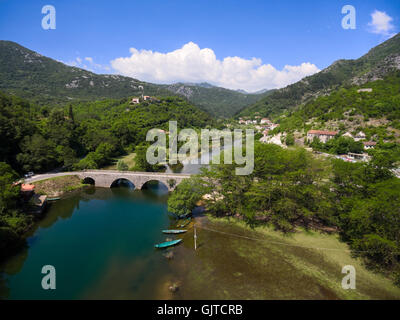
(101, 242)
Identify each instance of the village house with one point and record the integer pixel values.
(135, 100)
(37, 203)
(264, 120)
(364, 90)
(359, 136)
(241, 121)
(358, 156)
(322, 135)
(369, 145)
(348, 135)
(272, 126)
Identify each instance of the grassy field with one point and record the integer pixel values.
(128, 159)
(56, 186)
(269, 265)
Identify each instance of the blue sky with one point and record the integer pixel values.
(306, 35)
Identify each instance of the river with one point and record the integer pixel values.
(93, 236)
(101, 243)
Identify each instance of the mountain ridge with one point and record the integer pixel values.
(30, 75)
(374, 65)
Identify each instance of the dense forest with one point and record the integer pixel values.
(77, 136)
(290, 188)
(83, 135)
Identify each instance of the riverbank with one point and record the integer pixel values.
(57, 186)
(234, 261)
(13, 235)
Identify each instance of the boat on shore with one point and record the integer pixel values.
(174, 231)
(167, 244)
(53, 199)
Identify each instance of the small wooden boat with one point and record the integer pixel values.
(167, 244)
(53, 199)
(174, 231)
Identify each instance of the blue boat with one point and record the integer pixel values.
(174, 231)
(167, 244)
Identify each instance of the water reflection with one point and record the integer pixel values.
(128, 223)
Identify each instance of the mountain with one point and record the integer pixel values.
(378, 62)
(373, 108)
(215, 100)
(28, 74)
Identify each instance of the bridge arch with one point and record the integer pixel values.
(153, 184)
(122, 182)
(89, 180)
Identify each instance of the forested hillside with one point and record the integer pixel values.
(42, 80)
(41, 138)
(374, 65)
(216, 100)
(373, 108)
(30, 75)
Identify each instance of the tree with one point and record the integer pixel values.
(141, 163)
(185, 196)
(122, 166)
(38, 154)
(8, 192)
(289, 139)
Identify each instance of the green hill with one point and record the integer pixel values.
(30, 75)
(374, 65)
(216, 100)
(373, 105)
(41, 138)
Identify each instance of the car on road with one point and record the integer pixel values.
(29, 174)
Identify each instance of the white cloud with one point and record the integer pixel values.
(381, 23)
(91, 66)
(192, 64)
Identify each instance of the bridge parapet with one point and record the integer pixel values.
(105, 178)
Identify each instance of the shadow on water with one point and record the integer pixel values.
(147, 208)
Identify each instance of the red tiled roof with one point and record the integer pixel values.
(323, 132)
(369, 143)
(27, 187)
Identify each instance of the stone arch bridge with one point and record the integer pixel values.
(105, 178)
